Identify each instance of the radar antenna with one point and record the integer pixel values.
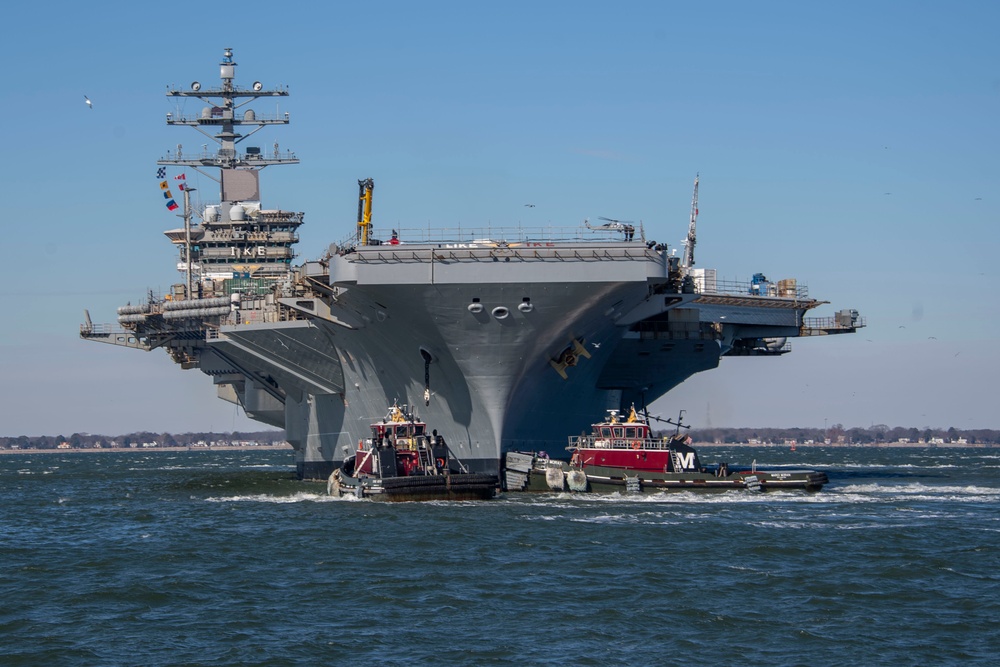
(688, 260)
(678, 424)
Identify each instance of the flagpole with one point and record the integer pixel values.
(187, 238)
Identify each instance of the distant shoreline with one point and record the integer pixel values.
(281, 447)
(858, 445)
(94, 450)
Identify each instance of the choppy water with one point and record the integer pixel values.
(209, 558)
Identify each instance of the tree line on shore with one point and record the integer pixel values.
(142, 439)
(836, 434)
(839, 435)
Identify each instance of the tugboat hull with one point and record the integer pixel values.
(544, 475)
(462, 486)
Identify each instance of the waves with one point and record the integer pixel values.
(118, 560)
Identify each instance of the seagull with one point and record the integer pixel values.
(530, 205)
(932, 338)
(89, 103)
(596, 345)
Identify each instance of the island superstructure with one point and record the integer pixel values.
(504, 338)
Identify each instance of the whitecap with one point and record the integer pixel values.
(265, 498)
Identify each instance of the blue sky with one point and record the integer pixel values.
(801, 118)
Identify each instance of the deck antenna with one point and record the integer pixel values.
(680, 416)
(688, 260)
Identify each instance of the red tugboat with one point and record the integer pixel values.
(402, 461)
(622, 455)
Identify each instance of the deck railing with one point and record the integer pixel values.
(489, 234)
(593, 442)
(782, 289)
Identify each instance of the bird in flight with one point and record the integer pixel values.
(530, 205)
(89, 103)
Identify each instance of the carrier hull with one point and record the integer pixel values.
(506, 338)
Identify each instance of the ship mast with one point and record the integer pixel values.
(221, 117)
(688, 260)
(236, 238)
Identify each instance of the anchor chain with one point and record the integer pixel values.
(427, 376)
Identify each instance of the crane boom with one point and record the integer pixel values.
(365, 210)
(690, 240)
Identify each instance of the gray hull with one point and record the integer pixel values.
(495, 379)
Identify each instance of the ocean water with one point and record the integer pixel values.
(223, 558)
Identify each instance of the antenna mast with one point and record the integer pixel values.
(689, 242)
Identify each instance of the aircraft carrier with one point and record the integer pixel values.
(501, 338)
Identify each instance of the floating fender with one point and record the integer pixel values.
(633, 484)
(752, 482)
(577, 480)
(555, 478)
(333, 484)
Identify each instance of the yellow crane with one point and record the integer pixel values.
(365, 210)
